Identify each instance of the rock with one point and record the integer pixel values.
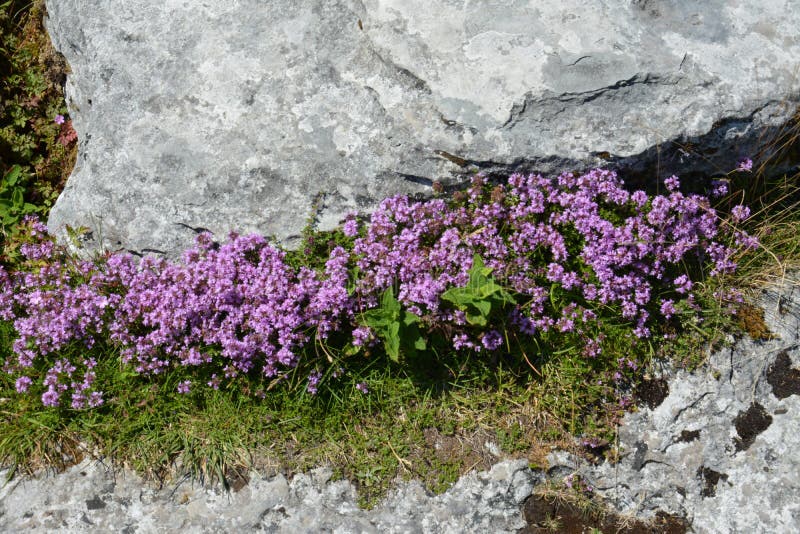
(199, 115)
(69, 502)
(722, 448)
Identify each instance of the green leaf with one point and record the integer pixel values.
(12, 175)
(476, 319)
(460, 296)
(377, 319)
(480, 296)
(389, 302)
(17, 199)
(485, 307)
(392, 341)
(397, 328)
(410, 318)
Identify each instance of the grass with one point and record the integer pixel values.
(434, 431)
(433, 423)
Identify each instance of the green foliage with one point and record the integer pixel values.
(398, 328)
(481, 298)
(12, 198)
(36, 153)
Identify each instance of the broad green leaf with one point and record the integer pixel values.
(476, 319)
(396, 327)
(410, 318)
(453, 295)
(377, 319)
(392, 341)
(389, 302)
(480, 295)
(485, 307)
(12, 175)
(412, 338)
(16, 198)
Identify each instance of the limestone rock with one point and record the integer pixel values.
(235, 115)
(91, 498)
(722, 449)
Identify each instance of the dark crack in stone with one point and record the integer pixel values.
(639, 455)
(95, 503)
(711, 479)
(237, 479)
(749, 425)
(785, 380)
(688, 436)
(653, 392)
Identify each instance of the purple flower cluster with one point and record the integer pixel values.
(237, 307)
(544, 237)
(569, 249)
(239, 303)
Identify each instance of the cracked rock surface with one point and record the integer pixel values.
(91, 498)
(229, 115)
(723, 448)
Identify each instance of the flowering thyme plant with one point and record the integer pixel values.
(541, 262)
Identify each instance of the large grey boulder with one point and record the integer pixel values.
(235, 115)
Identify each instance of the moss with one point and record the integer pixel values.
(750, 319)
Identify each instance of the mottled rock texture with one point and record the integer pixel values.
(723, 448)
(235, 115)
(91, 498)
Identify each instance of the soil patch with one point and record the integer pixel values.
(653, 392)
(545, 514)
(687, 436)
(749, 425)
(711, 479)
(784, 380)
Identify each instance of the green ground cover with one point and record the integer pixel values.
(427, 419)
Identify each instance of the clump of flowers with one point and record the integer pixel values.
(541, 258)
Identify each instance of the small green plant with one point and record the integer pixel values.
(482, 297)
(552, 524)
(12, 198)
(398, 328)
